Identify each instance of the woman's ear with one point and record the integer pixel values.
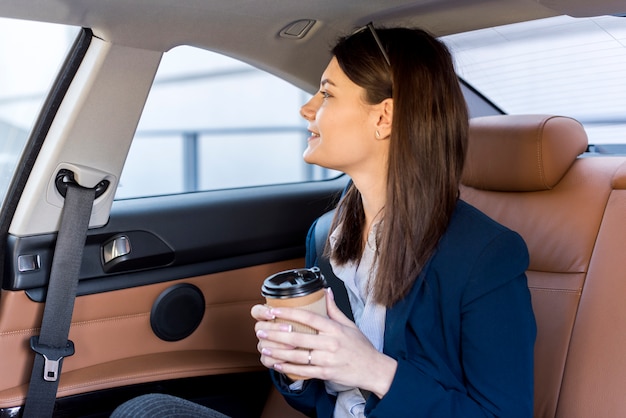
(385, 117)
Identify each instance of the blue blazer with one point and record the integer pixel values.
(463, 337)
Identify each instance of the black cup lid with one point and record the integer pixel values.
(293, 283)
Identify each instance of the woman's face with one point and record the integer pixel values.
(342, 125)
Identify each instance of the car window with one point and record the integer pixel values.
(30, 56)
(562, 65)
(212, 122)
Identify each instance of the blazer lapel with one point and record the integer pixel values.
(398, 316)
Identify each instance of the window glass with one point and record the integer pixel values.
(212, 122)
(30, 57)
(562, 65)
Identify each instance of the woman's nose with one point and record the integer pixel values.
(308, 110)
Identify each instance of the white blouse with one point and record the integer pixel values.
(369, 317)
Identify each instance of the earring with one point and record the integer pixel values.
(377, 134)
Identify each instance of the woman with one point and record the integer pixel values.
(443, 319)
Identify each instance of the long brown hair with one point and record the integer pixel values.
(426, 152)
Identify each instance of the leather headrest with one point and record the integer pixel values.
(521, 153)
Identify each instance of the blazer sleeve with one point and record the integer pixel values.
(312, 400)
(310, 258)
(496, 338)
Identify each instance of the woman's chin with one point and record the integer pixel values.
(309, 156)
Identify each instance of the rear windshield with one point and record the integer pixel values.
(566, 66)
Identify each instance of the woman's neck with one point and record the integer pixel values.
(373, 196)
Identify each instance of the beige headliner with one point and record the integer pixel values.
(247, 29)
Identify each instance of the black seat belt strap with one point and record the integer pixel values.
(322, 229)
(52, 344)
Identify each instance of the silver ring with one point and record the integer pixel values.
(309, 363)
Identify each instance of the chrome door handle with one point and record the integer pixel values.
(115, 248)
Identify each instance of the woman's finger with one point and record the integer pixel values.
(333, 310)
(292, 339)
(261, 313)
(293, 356)
(321, 323)
(268, 361)
(272, 326)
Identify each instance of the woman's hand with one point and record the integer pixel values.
(339, 352)
(265, 324)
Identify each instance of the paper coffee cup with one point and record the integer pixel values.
(300, 288)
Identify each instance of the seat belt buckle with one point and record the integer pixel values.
(52, 357)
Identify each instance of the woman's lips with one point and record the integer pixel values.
(313, 136)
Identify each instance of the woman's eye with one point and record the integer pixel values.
(324, 94)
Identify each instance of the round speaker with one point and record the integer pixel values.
(177, 312)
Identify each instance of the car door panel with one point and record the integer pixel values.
(185, 235)
(236, 238)
(115, 344)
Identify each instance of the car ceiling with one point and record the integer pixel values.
(248, 29)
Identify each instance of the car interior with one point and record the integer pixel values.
(166, 282)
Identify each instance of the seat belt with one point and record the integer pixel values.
(52, 344)
(321, 232)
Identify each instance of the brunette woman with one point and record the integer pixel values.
(443, 319)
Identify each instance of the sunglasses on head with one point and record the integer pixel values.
(372, 30)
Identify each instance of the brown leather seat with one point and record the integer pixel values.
(524, 171)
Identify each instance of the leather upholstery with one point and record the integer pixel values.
(524, 172)
(595, 372)
(115, 345)
(521, 153)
